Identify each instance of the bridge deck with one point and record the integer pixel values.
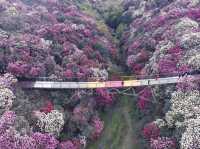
(106, 84)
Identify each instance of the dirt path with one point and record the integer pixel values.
(128, 139)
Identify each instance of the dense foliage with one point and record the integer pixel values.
(63, 40)
(163, 40)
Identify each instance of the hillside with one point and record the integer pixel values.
(99, 40)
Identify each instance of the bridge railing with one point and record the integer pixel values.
(119, 78)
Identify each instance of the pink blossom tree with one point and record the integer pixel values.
(167, 67)
(18, 68)
(68, 74)
(144, 98)
(104, 97)
(98, 126)
(151, 131)
(163, 143)
(67, 145)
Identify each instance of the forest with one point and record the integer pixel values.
(99, 40)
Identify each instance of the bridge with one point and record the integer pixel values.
(104, 84)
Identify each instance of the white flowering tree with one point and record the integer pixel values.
(6, 94)
(52, 122)
(191, 137)
(185, 104)
(184, 116)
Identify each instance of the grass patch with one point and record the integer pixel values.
(116, 126)
(112, 134)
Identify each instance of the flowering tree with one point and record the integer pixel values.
(190, 138)
(7, 80)
(7, 120)
(67, 145)
(151, 131)
(6, 98)
(163, 143)
(187, 84)
(167, 67)
(184, 104)
(47, 108)
(18, 68)
(144, 98)
(6, 94)
(98, 126)
(52, 122)
(46, 141)
(80, 114)
(104, 97)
